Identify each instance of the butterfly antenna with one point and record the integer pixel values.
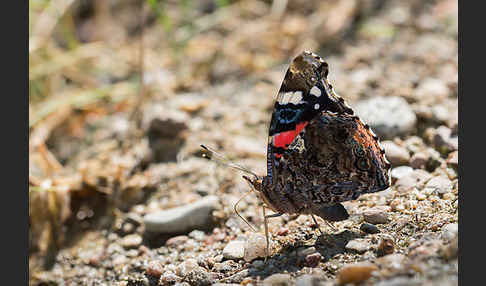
(211, 154)
(236, 211)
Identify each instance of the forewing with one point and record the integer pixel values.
(304, 93)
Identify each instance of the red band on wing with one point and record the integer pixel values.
(283, 139)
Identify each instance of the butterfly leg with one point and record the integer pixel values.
(265, 222)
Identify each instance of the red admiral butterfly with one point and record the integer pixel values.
(319, 153)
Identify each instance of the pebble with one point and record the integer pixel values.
(386, 246)
(176, 240)
(389, 116)
(283, 231)
(432, 88)
(307, 280)
(449, 231)
(419, 160)
(199, 277)
(369, 228)
(358, 245)
(184, 218)
(304, 251)
(197, 235)
(453, 159)
(440, 184)
(166, 131)
(416, 179)
(255, 247)
(187, 266)
(451, 250)
(355, 273)
(396, 154)
(278, 279)
(131, 241)
(376, 215)
(226, 266)
(312, 260)
(392, 262)
(400, 172)
(234, 250)
(155, 268)
(442, 139)
(169, 278)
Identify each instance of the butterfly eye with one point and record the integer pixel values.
(363, 164)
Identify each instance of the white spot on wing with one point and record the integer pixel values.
(315, 91)
(296, 98)
(290, 97)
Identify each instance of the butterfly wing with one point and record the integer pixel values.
(319, 153)
(304, 93)
(335, 158)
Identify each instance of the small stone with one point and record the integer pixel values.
(433, 88)
(369, 228)
(450, 251)
(396, 154)
(187, 266)
(376, 215)
(358, 245)
(182, 219)
(392, 262)
(449, 231)
(389, 116)
(169, 278)
(386, 246)
(425, 249)
(312, 260)
(396, 205)
(199, 277)
(197, 235)
(307, 280)
(283, 231)
(416, 179)
(355, 273)
(278, 280)
(255, 247)
(400, 172)
(166, 131)
(304, 251)
(444, 139)
(155, 268)
(453, 159)
(234, 250)
(439, 184)
(131, 241)
(226, 266)
(176, 240)
(419, 160)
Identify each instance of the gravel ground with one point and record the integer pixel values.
(174, 222)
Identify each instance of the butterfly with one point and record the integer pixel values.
(319, 153)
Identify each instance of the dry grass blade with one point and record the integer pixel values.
(47, 22)
(63, 60)
(80, 98)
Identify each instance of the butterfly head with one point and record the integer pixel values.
(256, 182)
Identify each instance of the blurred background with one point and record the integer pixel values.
(122, 93)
